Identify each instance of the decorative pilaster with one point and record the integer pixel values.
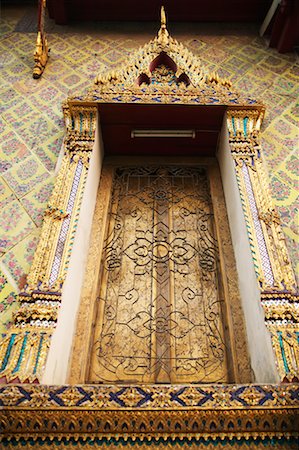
(282, 320)
(270, 257)
(23, 351)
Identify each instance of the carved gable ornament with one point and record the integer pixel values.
(164, 71)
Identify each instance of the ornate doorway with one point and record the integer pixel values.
(161, 314)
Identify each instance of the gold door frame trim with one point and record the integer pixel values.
(24, 348)
(82, 340)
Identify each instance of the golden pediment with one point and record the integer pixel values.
(163, 71)
(144, 60)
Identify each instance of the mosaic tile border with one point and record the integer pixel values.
(111, 397)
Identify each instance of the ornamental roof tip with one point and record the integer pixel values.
(163, 71)
(162, 50)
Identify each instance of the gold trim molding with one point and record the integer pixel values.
(155, 425)
(143, 413)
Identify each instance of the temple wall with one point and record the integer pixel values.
(31, 123)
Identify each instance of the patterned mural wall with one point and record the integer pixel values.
(31, 121)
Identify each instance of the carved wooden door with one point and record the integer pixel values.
(160, 312)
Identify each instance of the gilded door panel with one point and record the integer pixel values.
(200, 351)
(159, 315)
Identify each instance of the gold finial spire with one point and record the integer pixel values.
(163, 35)
(163, 17)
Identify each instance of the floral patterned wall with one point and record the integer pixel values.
(31, 123)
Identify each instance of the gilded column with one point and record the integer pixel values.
(24, 349)
(272, 265)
